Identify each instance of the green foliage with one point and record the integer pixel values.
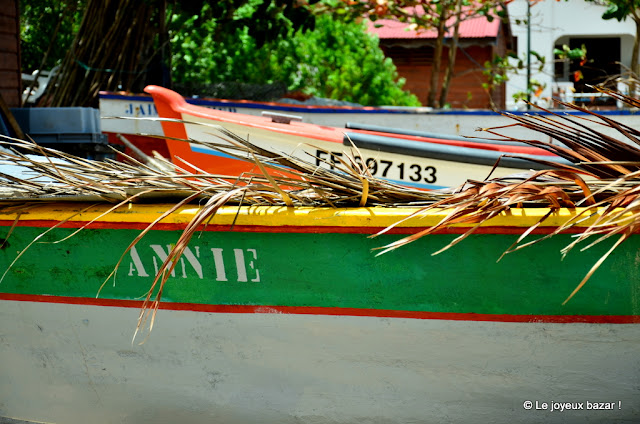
(38, 22)
(571, 54)
(442, 16)
(337, 60)
(500, 68)
(498, 71)
(245, 41)
(620, 9)
(342, 61)
(266, 20)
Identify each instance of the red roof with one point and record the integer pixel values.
(477, 27)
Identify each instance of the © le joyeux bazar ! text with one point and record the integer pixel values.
(569, 406)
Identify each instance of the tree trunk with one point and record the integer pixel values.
(114, 39)
(437, 58)
(453, 51)
(635, 66)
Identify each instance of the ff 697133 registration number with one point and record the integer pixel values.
(382, 168)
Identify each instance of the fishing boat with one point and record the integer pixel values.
(440, 122)
(412, 160)
(131, 294)
(283, 315)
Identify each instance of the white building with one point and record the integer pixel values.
(609, 44)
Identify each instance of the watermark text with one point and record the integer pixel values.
(555, 406)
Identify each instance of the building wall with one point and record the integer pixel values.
(10, 75)
(465, 90)
(551, 23)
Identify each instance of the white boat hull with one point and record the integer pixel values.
(70, 364)
(407, 170)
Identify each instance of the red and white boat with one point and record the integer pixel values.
(408, 158)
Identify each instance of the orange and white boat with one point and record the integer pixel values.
(412, 160)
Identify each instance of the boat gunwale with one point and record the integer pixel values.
(357, 219)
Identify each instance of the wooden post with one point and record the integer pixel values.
(6, 113)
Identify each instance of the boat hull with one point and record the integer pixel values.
(422, 162)
(407, 170)
(75, 364)
(283, 315)
(460, 122)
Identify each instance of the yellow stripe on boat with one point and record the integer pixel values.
(281, 216)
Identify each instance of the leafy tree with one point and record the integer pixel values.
(501, 68)
(342, 61)
(444, 16)
(46, 31)
(337, 60)
(122, 45)
(498, 70)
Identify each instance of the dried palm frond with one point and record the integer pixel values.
(42, 174)
(603, 178)
(606, 179)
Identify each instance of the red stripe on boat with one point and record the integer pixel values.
(280, 229)
(314, 310)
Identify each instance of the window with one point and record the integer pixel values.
(602, 66)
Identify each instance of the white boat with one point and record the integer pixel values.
(455, 122)
(418, 161)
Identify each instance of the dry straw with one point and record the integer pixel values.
(602, 177)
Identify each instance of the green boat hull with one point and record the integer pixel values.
(304, 323)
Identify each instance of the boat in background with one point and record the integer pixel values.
(455, 122)
(281, 315)
(411, 160)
